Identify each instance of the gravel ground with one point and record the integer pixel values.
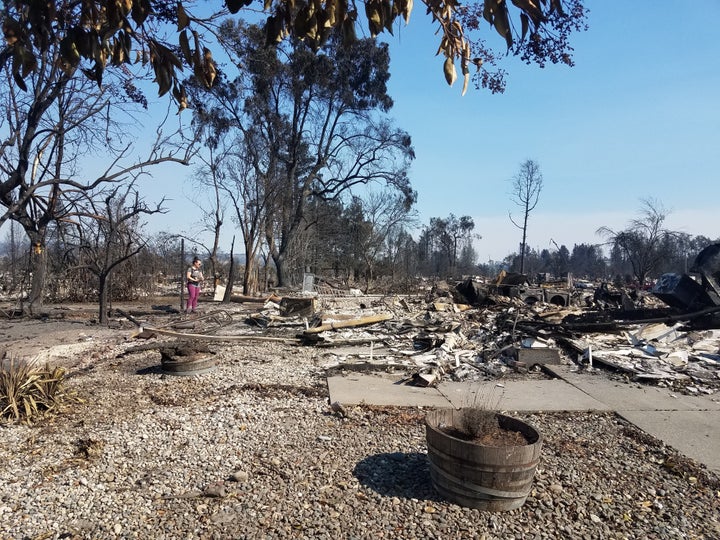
(252, 450)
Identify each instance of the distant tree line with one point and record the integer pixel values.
(641, 252)
(365, 243)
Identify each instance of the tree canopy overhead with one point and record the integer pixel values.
(169, 35)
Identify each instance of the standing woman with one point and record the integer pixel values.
(194, 278)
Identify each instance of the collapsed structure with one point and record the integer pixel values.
(504, 328)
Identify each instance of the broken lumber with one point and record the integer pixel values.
(149, 331)
(363, 321)
(241, 299)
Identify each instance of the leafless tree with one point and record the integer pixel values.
(235, 173)
(386, 213)
(106, 231)
(208, 197)
(45, 135)
(644, 242)
(250, 217)
(13, 254)
(526, 187)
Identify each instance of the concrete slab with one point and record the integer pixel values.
(690, 424)
(525, 395)
(531, 395)
(696, 434)
(381, 389)
(633, 397)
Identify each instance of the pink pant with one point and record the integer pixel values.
(193, 293)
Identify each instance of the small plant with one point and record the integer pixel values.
(27, 392)
(485, 396)
(476, 422)
(479, 415)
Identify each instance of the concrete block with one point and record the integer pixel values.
(297, 307)
(531, 357)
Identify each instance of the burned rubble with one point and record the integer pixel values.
(503, 328)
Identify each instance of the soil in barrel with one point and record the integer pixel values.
(482, 427)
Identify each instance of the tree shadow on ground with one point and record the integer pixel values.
(397, 474)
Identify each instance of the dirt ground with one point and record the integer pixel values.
(64, 333)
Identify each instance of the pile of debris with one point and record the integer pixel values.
(477, 330)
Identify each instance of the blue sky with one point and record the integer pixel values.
(637, 117)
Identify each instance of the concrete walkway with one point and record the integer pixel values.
(690, 424)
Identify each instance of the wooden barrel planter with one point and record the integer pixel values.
(186, 359)
(492, 478)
